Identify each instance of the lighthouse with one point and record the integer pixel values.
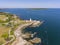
(30, 19)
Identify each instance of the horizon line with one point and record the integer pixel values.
(30, 7)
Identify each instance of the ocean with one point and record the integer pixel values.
(49, 31)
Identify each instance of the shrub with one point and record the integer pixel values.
(5, 36)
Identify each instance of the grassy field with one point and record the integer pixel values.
(3, 30)
(7, 21)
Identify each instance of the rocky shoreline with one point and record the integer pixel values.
(21, 38)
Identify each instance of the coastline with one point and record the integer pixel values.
(17, 36)
(18, 33)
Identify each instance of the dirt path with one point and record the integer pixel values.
(19, 40)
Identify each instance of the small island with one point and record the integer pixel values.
(11, 28)
(38, 8)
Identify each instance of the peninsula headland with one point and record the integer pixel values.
(11, 28)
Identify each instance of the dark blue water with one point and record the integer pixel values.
(49, 31)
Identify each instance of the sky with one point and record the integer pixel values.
(29, 3)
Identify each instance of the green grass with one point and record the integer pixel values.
(4, 29)
(1, 42)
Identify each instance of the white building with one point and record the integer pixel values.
(30, 19)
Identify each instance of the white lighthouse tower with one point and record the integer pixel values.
(30, 19)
